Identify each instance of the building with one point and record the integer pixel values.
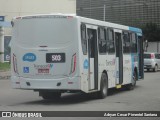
(127, 12)
(12, 8)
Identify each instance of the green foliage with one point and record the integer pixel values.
(4, 66)
(151, 32)
(1, 53)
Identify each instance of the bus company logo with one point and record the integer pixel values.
(30, 57)
(85, 64)
(48, 66)
(110, 63)
(6, 114)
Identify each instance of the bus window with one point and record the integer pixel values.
(126, 42)
(102, 41)
(133, 43)
(83, 39)
(110, 42)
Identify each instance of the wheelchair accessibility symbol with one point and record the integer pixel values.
(25, 69)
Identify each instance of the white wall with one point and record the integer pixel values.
(153, 47)
(12, 8)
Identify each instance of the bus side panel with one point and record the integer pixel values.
(110, 62)
(83, 61)
(31, 66)
(127, 69)
(134, 59)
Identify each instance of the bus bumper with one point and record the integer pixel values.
(68, 83)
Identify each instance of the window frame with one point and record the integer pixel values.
(109, 41)
(128, 34)
(102, 40)
(131, 42)
(84, 39)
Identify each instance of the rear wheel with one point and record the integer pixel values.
(103, 87)
(155, 69)
(133, 84)
(50, 95)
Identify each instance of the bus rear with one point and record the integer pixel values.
(44, 53)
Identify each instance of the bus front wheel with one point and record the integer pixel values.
(133, 83)
(103, 87)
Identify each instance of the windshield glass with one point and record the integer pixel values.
(50, 32)
(147, 56)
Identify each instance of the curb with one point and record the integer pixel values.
(5, 77)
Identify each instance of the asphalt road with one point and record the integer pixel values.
(145, 97)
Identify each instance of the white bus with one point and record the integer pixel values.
(53, 54)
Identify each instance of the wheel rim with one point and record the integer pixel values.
(104, 90)
(156, 68)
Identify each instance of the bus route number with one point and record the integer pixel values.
(56, 57)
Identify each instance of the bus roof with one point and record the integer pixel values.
(137, 30)
(99, 22)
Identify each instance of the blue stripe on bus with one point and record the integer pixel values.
(137, 30)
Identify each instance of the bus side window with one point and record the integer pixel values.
(133, 43)
(110, 42)
(84, 39)
(102, 42)
(158, 56)
(126, 42)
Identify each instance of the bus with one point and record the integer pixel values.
(57, 53)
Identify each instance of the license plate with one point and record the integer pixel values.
(43, 70)
(55, 57)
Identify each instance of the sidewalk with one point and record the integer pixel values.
(5, 75)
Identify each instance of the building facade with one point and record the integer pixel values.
(12, 8)
(127, 12)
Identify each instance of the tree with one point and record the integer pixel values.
(1, 53)
(151, 32)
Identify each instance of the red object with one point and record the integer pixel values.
(152, 56)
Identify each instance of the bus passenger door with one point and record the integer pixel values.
(119, 57)
(93, 58)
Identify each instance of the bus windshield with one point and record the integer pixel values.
(50, 32)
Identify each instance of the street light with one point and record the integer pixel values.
(104, 13)
(145, 45)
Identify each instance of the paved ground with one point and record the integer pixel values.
(5, 75)
(145, 97)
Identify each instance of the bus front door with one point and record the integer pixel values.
(119, 58)
(93, 58)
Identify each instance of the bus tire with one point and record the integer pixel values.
(51, 95)
(103, 87)
(155, 69)
(133, 84)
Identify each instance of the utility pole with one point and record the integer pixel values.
(104, 12)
